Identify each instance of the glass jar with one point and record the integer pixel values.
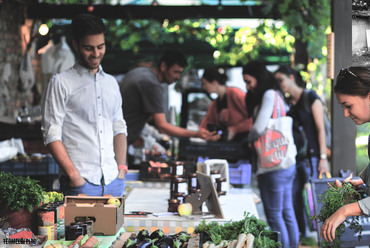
(214, 175)
(178, 168)
(192, 182)
(173, 204)
(179, 196)
(221, 184)
(180, 185)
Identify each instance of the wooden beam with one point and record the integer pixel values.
(69, 11)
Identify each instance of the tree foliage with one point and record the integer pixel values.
(304, 20)
(231, 46)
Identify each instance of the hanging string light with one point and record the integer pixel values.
(43, 29)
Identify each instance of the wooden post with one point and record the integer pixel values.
(343, 129)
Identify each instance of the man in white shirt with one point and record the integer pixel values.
(83, 124)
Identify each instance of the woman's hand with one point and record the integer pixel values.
(327, 230)
(323, 166)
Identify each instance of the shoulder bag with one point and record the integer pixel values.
(275, 147)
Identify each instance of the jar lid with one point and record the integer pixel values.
(178, 194)
(178, 163)
(221, 179)
(173, 201)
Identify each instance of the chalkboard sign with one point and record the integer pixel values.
(349, 238)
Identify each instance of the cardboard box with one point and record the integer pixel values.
(108, 219)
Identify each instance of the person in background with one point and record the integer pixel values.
(312, 121)
(275, 186)
(82, 120)
(228, 112)
(352, 90)
(143, 98)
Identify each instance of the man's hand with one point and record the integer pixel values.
(209, 136)
(76, 181)
(121, 174)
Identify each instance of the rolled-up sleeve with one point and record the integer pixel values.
(53, 111)
(120, 126)
(119, 123)
(365, 205)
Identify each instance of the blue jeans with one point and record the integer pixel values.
(304, 171)
(276, 193)
(115, 188)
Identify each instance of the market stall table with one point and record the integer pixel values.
(153, 198)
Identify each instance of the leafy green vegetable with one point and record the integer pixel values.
(334, 198)
(52, 196)
(18, 192)
(216, 232)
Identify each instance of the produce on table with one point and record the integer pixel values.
(249, 232)
(157, 234)
(337, 195)
(52, 196)
(84, 241)
(114, 201)
(183, 236)
(55, 246)
(185, 209)
(143, 234)
(157, 239)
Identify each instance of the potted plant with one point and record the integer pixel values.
(19, 197)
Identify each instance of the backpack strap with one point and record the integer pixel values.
(306, 103)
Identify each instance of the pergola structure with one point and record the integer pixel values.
(344, 130)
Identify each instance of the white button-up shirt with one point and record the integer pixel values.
(85, 113)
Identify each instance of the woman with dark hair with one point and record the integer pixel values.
(228, 112)
(275, 184)
(353, 94)
(311, 118)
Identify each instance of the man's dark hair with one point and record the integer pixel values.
(86, 24)
(173, 57)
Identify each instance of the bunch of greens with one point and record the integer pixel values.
(334, 198)
(216, 232)
(18, 192)
(52, 196)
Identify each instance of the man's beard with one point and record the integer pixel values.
(86, 63)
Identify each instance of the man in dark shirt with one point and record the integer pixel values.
(143, 97)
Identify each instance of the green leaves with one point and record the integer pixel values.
(18, 192)
(216, 232)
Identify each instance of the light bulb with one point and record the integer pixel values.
(43, 29)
